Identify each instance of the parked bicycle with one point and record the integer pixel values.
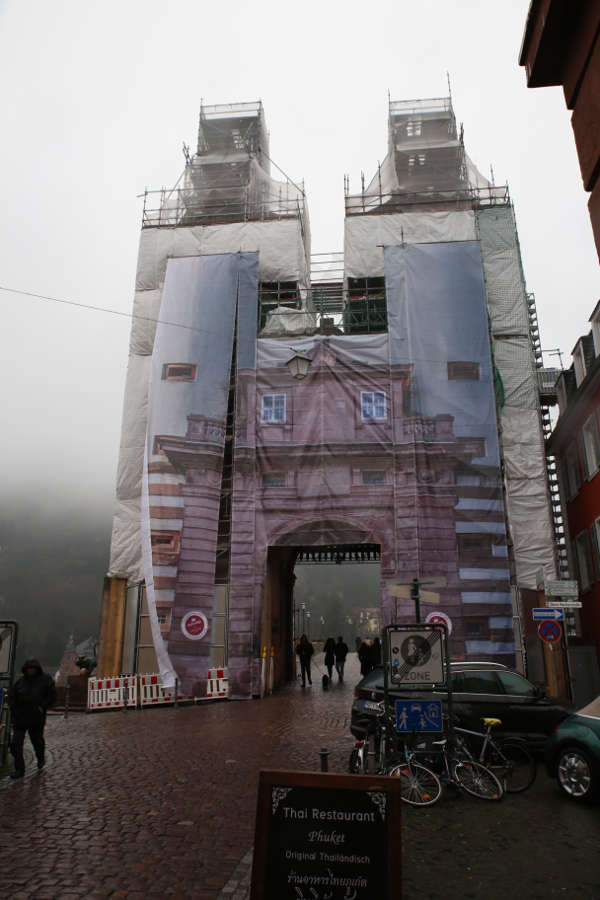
(509, 760)
(460, 770)
(384, 752)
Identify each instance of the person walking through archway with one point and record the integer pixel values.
(329, 650)
(341, 652)
(305, 650)
(365, 656)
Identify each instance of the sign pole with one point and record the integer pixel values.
(417, 599)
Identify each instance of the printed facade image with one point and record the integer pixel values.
(269, 412)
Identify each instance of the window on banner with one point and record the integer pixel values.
(591, 446)
(584, 560)
(373, 405)
(273, 409)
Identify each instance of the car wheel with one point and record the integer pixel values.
(576, 774)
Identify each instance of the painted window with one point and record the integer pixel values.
(273, 408)
(179, 372)
(373, 405)
(373, 477)
(463, 371)
(595, 536)
(591, 446)
(413, 128)
(276, 479)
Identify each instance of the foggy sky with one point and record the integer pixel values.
(96, 101)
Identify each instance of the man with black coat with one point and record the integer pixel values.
(28, 699)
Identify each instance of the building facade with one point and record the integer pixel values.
(391, 406)
(561, 46)
(575, 444)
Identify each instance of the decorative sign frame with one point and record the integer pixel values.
(328, 836)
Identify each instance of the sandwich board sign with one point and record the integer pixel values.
(416, 654)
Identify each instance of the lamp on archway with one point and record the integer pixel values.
(298, 364)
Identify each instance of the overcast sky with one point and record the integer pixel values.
(97, 98)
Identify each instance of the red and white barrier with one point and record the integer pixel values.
(152, 692)
(112, 693)
(217, 684)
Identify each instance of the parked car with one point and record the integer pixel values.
(573, 753)
(479, 689)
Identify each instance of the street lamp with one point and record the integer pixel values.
(298, 364)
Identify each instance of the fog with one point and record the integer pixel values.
(97, 99)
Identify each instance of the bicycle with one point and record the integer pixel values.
(465, 772)
(509, 760)
(420, 786)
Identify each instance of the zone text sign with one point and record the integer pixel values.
(416, 655)
(327, 837)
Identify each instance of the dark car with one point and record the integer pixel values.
(573, 753)
(479, 689)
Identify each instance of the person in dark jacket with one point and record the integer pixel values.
(329, 650)
(29, 698)
(305, 650)
(341, 652)
(365, 655)
(376, 652)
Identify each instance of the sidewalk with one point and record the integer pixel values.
(161, 802)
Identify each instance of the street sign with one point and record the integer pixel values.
(416, 655)
(439, 617)
(404, 592)
(542, 612)
(418, 715)
(565, 603)
(562, 588)
(549, 631)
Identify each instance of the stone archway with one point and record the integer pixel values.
(277, 627)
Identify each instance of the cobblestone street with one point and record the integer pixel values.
(161, 802)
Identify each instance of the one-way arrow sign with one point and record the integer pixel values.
(543, 612)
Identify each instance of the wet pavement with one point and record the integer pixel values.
(161, 803)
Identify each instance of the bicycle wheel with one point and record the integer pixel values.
(513, 764)
(420, 786)
(475, 779)
(357, 764)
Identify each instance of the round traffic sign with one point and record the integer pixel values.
(549, 631)
(194, 625)
(436, 618)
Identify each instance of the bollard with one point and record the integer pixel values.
(324, 754)
(125, 697)
(175, 703)
(67, 698)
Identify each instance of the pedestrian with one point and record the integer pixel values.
(376, 652)
(365, 657)
(305, 650)
(341, 652)
(29, 698)
(329, 650)
(357, 642)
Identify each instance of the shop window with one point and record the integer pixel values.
(273, 409)
(373, 405)
(179, 372)
(463, 371)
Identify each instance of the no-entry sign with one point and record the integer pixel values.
(549, 631)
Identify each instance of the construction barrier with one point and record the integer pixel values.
(218, 683)
(112, 693)
(152, 691)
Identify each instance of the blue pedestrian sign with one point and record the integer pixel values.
(418, 715)
(541, 613)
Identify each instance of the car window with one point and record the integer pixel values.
(516, 684)
(475, 683)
